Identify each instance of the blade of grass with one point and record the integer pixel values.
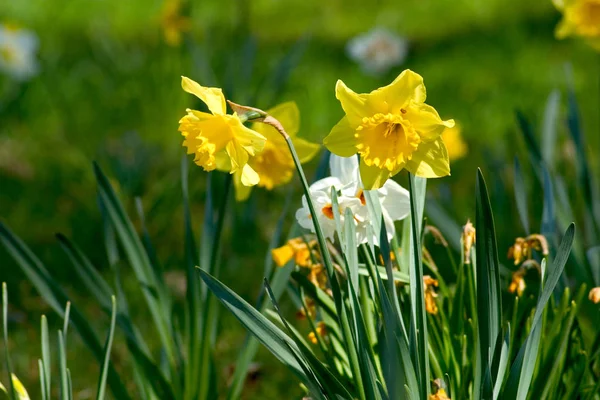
(489, 304)
(269, 335)
(521, 370)
(156, 298)
(11, 389)
(549, 127)
(101, 392)
(418, 334)
(54, 295)
(521, 196)
(46, 360)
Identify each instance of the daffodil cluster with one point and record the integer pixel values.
(255, 155)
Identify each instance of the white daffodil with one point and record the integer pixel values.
(377, 50)
(18, 49)
(394, 200)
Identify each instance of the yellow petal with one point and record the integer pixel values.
(288, 115)
(252, 141)
(242, 192)
(426, 121)
(373, 177)
(223, 161)
(341, 140)
(282, 255)
(212, 97)
(305, 149)
(249, 176)
(407, 87)
(430, 160)
(354, 104)
(238, 156)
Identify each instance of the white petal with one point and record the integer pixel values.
(345, 169)
(325, 184)
(396, 202)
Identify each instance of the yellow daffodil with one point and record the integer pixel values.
(594, 295)
(517, 283)
(173, 23)
(19, 388)
(274, 164)
(321, 331)
(218, 139)
(523, 247)
(580, 18)
(439, 395)
(295, 248)
(391, 129)
(455, 144)
(428, 284)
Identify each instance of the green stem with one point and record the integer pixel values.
(335, 287)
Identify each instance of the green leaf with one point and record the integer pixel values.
(63, 374)
(54, 295)
(549, 126)
(11, 389)
(521, 196)
(521, 371)
(101, 392)
(156, 298)
(418, 336)
(269, 335)
(489, 300)
(46, 360)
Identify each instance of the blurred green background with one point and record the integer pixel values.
(108, 89)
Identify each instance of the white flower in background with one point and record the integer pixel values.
(377, 50)
(18, 49)
(345, 178)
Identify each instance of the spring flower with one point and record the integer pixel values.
(217, 138)
(455, 144)
(19, 388)
(377, 50)
(173, 23)
(321, 331)
(295, 248)
(523, 247)
(517, 283)
(428, 285)
(318, 276)
(394, 200)
(468, 240)
(18, 48)
(594, 295)
(274, 164)
(439, 395)
(391, 129)
(580, 18)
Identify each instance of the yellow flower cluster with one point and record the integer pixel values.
(523, 247)
(391, 129)
(522, 253)
(321, 331)
(580, 18)
(429, 284)
(255, 155)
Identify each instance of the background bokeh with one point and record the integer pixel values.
(108, 89)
